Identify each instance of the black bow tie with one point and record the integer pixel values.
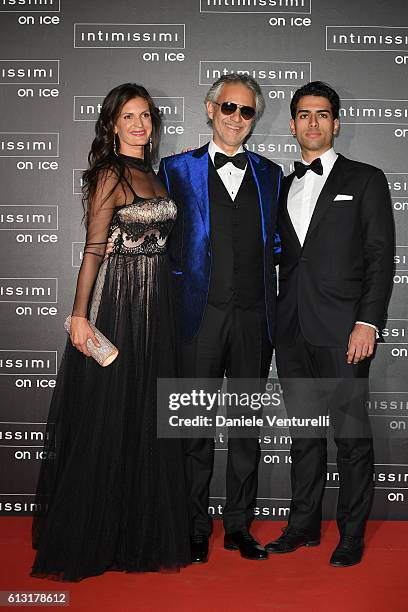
(315, 166)
(239, 160)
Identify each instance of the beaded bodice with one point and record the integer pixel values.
(142, 228)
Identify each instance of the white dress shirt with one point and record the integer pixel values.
(303, 195)
(230, 175)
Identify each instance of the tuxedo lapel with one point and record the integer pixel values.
(284, 213)
(197, 168)
(327, 194)
(267, 191)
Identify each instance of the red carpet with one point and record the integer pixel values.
(301, 581)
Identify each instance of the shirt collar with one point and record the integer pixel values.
(328, 158)
(214, 148)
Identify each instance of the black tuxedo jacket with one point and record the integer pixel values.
(343, 272)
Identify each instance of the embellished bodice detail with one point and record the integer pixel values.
(142, 228)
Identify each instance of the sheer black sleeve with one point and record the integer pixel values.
(100, 213)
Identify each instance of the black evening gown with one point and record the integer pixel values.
(111, 496)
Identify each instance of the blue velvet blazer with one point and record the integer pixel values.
(186, 178)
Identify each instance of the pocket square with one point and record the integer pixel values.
(342, 196)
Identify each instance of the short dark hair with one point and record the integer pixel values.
(316, 88)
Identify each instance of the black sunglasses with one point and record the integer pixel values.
(229, 108)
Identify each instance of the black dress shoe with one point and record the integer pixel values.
(291, 539)
(246, 544)
(349, 551)
(199, 549)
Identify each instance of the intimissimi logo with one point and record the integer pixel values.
(375, 111)
(129, 35)
(28, 217)
(29, 6)
(366, 38)
(29, 72)
(87, 108)
(29, 362)
(29, 144)
(255, 6)
(267, 73)
(398, 184)
(29, 290)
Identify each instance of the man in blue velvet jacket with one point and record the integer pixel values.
(222, 250)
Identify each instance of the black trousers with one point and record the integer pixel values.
(343, 397)
(236, 343)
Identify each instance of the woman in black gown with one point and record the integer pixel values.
(111, 495)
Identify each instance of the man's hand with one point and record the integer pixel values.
(361, 343)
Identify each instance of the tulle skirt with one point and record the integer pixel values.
(111, 496)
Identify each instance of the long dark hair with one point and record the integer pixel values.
(101, 157)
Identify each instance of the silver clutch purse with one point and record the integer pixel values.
(104, 354)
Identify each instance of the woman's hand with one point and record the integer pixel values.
(81, 331)
(108, 248)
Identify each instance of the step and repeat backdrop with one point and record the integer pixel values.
(58, 58)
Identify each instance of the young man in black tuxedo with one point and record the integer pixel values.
(336, 267)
